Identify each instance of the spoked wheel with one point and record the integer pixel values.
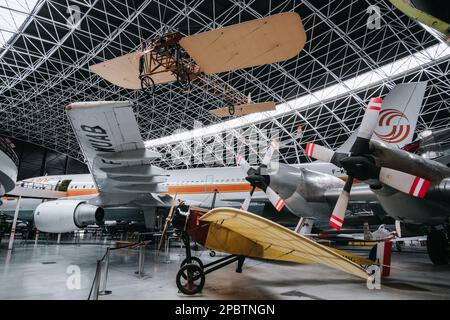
(190, 279)
(193, 260)
(231, 110)
(148, 85)
(183, 78)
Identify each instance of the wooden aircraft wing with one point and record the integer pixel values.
(123, 71)
(252, 43)
(240, 232)
(244, 109)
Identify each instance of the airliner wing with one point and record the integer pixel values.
(109, 138)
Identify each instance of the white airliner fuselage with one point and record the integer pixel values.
(194, 186)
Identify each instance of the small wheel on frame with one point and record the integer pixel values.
(212, 253)
(148, 85)
(190, 279)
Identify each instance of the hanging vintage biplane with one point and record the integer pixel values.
(175, 58)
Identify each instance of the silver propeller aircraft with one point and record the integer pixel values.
(412, 189)
(312, 190)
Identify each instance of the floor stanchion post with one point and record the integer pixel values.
(104, 279)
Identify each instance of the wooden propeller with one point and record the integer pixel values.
(166, 225)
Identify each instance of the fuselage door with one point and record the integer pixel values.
(63, 186)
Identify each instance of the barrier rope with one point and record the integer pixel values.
(132, 245)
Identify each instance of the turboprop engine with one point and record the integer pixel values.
(61, 216)
(303, 190)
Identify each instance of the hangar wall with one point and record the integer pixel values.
(38, 161)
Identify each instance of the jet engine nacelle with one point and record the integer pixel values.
(61, 216)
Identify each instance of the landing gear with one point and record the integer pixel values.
(148, 85)
(231, 110)
(183, 78)
(190, 279)
(437, 246)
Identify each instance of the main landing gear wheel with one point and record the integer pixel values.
(437, 247)
(193, 260)
(190, 279)
(231, 110)
(148, 85)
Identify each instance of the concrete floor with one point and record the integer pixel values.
(39, 272)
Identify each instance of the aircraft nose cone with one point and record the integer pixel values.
(260, 181)
(360, 167)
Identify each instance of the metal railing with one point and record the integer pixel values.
(98, 286)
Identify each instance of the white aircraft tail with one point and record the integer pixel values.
(398, 116)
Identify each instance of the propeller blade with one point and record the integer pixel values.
(368, 124)
(275, 199)
(413, 185)
(241, 162)
(247, 200)
(370, 118)
(269, 153)
(318, 152)
(166, 225)
(338, 215)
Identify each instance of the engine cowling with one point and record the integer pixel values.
(61, 216)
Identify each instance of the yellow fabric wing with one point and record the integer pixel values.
(268, 240)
